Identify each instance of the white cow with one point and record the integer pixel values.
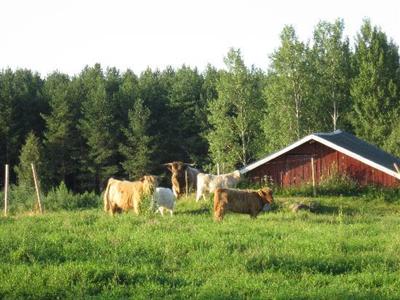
(164, 198)
(208, 183)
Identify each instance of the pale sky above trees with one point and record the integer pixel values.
(66, 35)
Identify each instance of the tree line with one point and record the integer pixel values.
(82, 129)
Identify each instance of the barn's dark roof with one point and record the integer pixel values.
(360, 147)
(346, 143)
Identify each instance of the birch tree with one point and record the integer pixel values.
(234, 115)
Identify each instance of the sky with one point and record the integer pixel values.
(67, 35)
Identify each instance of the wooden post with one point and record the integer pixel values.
(37, 188)
(313, 177)
(397, 168)
(217, 168)
(6, 191)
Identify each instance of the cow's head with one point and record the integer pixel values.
(150, 182)
(266, 195)
(236, 174)
(178, 169)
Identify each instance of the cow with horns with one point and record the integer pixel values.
(182, 174)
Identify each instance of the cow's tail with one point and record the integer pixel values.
(106, 198)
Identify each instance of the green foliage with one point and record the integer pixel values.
(31, 153)
(21, 102)
(330, 58)
(375, 88)
(337, 183)
(289, 105)
(98, 127)
(235, 115)
(147, 206)
(137, 150)
(60, 137)
(347, 250)
(188, 105)
(61, 198)
(21, 199)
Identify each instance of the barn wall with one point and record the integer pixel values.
(294, 167)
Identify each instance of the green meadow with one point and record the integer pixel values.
(347, 248)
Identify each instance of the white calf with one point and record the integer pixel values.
(164, 198)
(208, 183)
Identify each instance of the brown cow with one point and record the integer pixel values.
(125, 195)
(178, 178)
(241, 201)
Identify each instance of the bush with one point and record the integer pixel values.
(21, 198)
(338, 184)
(147, 206)
(62, 198)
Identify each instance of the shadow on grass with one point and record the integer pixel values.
(316, 208)
(192, 212)
(333, 210)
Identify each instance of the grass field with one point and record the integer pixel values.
(348, 249)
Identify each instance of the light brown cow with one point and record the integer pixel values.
(125, 195)
(241, 201)
(178, 179)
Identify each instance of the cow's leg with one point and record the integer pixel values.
(113, 208)
(171, 212)
(253, 214)
(199, 193)
(218, 211)
(136, 207)
(161, 209)
(174, 191)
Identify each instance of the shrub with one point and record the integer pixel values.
(337, 183)
(21, 198)
(62, 198)
(147, 206)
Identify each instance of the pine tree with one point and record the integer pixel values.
(60, 140)
(31, 152)
(21, 103)
(6, 107)
(98, 126)
(137, 150)
(186, 105)
(153, 90)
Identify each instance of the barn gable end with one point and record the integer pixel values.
(338, 150)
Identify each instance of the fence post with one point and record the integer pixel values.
(36, 188)
(6, 191)
(313, 177)
(217, 168)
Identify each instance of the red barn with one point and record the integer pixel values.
(322, 154)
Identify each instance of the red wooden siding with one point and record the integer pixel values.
(294, 167)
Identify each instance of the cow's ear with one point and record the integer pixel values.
(142, 178)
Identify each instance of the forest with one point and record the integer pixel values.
(82, 129)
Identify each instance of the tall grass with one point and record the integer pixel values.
(22, 199)
(347, 249)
